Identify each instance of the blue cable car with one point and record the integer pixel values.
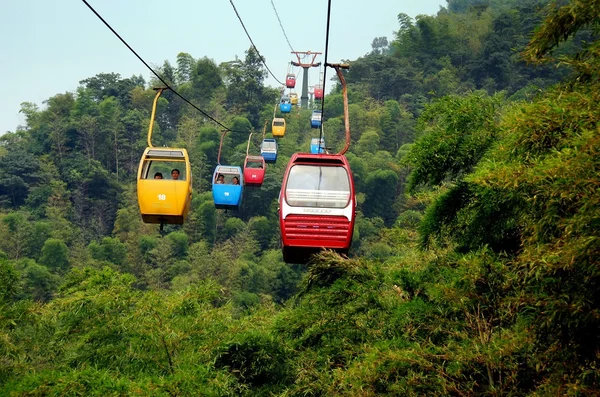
(227, 186)
(317, 146)
(268, 149)
(315, 120)
(285, 106)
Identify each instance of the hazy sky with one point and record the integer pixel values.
(48, 46)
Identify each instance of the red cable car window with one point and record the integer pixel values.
(318, 186)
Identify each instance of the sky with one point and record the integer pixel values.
(48, 46)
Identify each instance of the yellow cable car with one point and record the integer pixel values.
(278, 126)
(164, 185)
(164, 182)
(294, 98)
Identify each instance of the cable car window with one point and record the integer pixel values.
(318, 186)
(269, 145)
(227, 179)
(278, 123)
(165, 168)
(254, 164)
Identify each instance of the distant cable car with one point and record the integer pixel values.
(318, 92)
(290, 80)
(278, 126)
(317, 206)
(285, 105)
(227, 186)
(164, 185)
(164, 181)
(293, 98)
(317, 146)
(315, 119)
(268, 150)
(254, 170)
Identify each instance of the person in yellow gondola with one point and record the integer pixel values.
(158, 175)
(236, 180)
(220, 179)
(175, 174)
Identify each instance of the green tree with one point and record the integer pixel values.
(208, 214)
(205, 79)
(380, 189)
(19, 172)
(9, 285)
(179, 243)
(458, 131)
(368, 142)
(185, 67)
(15, 232)
(37, 282)
(110, 249)
(110, 119)
(262, 229)
(232, 227)
(55, 255)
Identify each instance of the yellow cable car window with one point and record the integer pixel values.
(164, 168)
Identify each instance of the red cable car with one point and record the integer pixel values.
(290, 80)
(254, 170)
(318, 92)
(317, 206)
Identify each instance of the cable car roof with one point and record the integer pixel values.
(227, 169)
(318, 158)
(165, 153)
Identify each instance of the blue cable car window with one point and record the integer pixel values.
(318, 186)
(227, 179)
(269, 145)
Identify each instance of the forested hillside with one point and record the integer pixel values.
(474, 267)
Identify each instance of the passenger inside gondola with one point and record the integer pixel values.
(161, 169)
(227, 179)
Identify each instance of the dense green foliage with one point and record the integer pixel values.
(474, 268)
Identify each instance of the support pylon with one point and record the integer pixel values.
(305, 66)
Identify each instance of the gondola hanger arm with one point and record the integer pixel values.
(223, 133)
(338, 69)
(248, 145)
(265, 129)
(159, 91)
